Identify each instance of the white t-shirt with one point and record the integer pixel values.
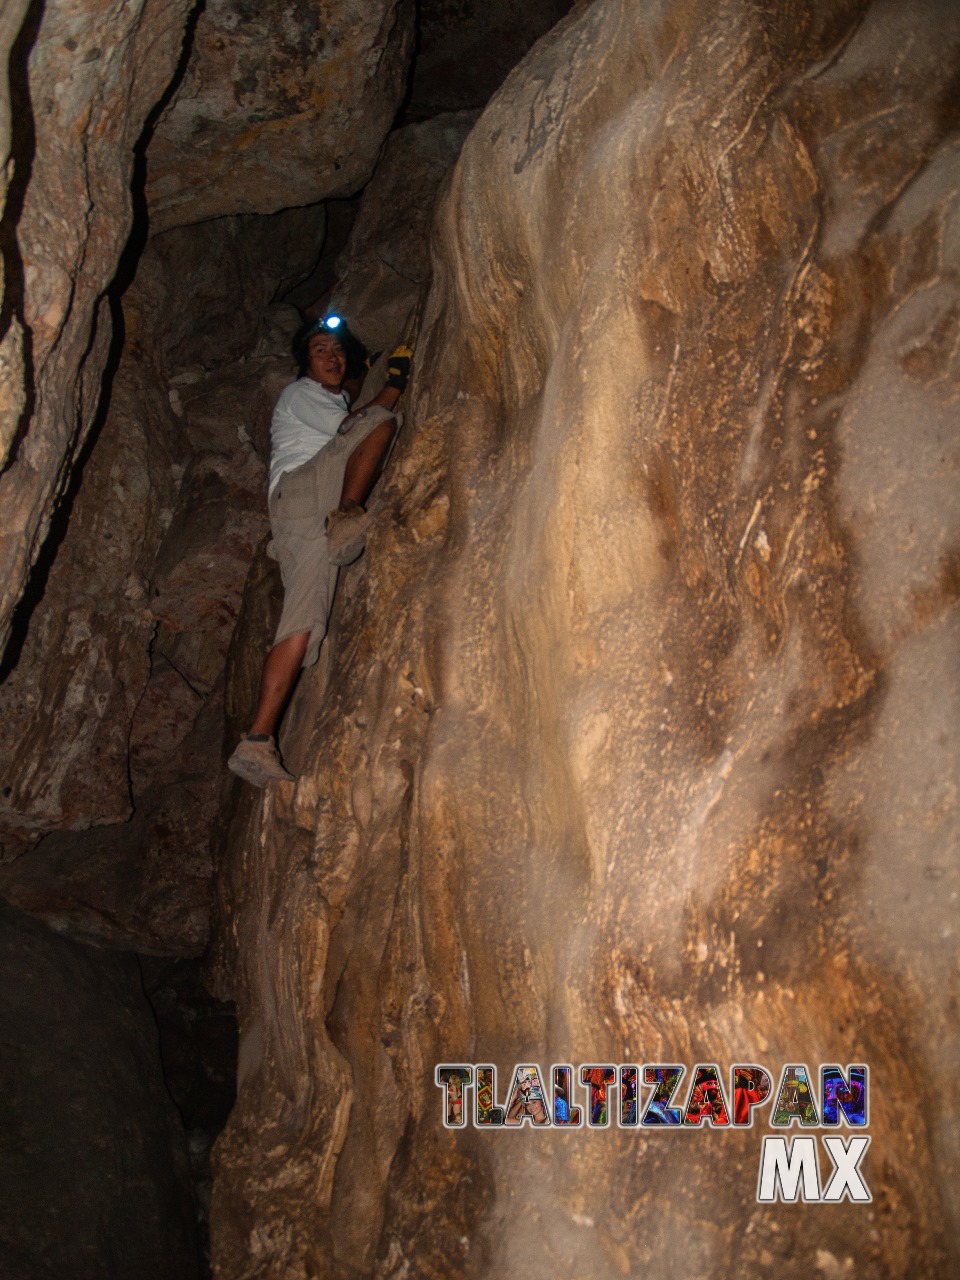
(305, 419)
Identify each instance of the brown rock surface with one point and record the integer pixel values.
(126, 738)
(95, 71)
(202, 291)
(69, 702)
(282, 104)
(639, 741)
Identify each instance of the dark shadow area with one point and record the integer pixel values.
(126, 269)
(140, 230)
(198, 1050)
(403, 115)
(94, 1176)
(310, 294)
(465, 50)
(23, 146)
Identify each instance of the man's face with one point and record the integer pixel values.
(326, 362)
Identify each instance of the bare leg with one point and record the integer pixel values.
(279, 675)
(364, 465)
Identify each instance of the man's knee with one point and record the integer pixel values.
(379, 437)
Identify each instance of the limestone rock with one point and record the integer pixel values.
(12, 183)
(202, 292)
(386, 263)
(143, 883)
(231, 407)
(145, 596)
(639, 741)
(94, 1180)
(198, 577)
(69, 702)
(95, 71)
(281, 105)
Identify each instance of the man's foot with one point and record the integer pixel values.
(346, 533)
(257, 761)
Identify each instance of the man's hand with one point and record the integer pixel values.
(398, 368)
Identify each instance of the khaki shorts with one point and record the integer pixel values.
(299, 505)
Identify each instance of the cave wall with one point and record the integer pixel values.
(268, 108)
(282, 104)
(384, 268)
(112, 755)
(638, 739)
(112, 687)
(465, 50)
(636, 735)
(83, 79)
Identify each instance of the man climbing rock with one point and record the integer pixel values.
(324, 461)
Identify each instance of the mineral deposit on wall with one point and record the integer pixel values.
(639, 741)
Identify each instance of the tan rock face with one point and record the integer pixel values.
(639, 741)
(282, 104)
(94, 73)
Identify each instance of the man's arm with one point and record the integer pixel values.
(398, 374)
(388, 397)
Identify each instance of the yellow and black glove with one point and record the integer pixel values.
(398, 368)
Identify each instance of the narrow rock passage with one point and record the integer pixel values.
(112, 726)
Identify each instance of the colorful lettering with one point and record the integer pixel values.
(527, 1099)
(487, 1113)
(597, 1079)
(666, 1081)
(846, 1094)
(453, 1080)
(706, 1100)
(795, 1098)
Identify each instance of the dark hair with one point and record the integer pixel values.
(353, 348)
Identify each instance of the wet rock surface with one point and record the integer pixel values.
(637, 740)
(94, 1157)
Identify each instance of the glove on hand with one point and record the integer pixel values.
(398, 368)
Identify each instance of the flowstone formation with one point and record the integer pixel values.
(638, 736)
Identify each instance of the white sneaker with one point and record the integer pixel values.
(258, 763)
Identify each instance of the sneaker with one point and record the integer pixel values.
(346, 534)
(258, 763)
